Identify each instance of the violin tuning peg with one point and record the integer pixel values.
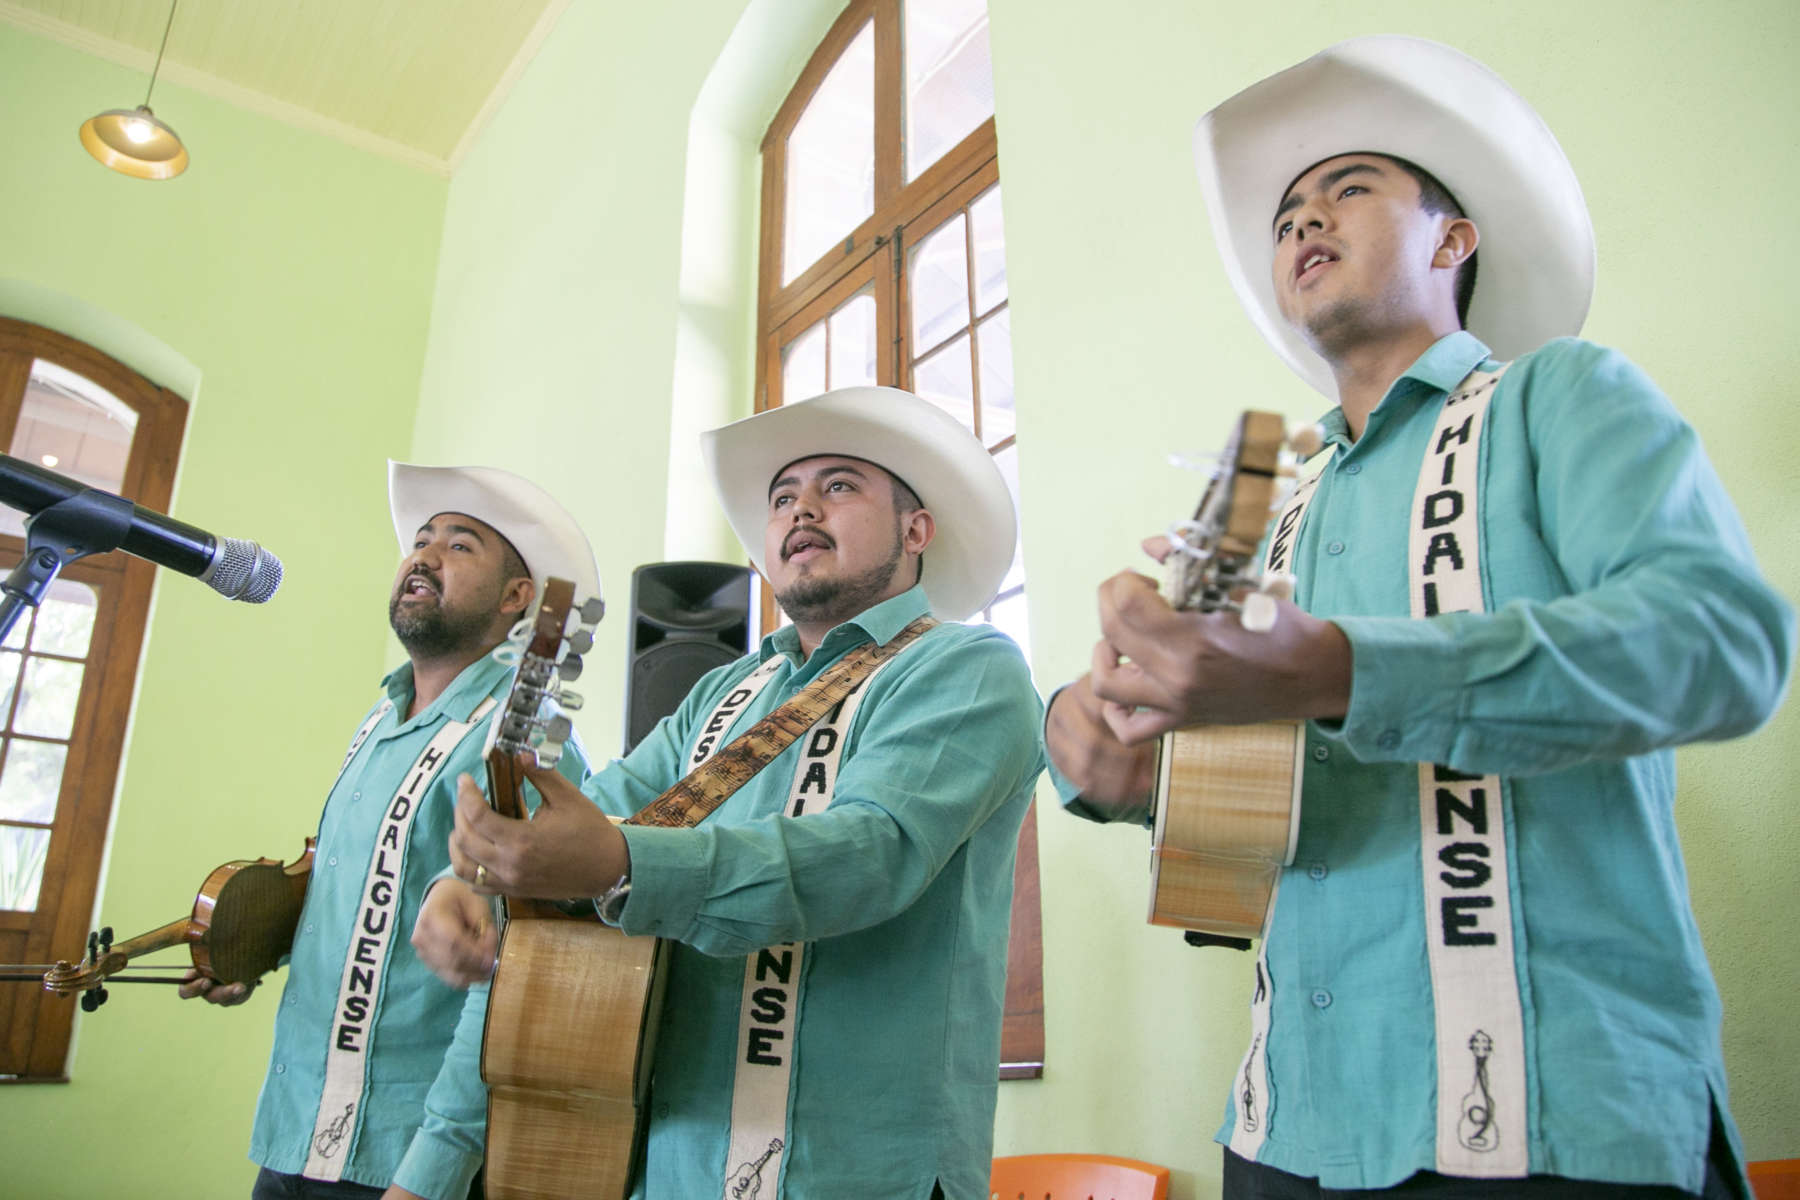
(570, 667)
(569, 701)
(581, 641)
(592, 610)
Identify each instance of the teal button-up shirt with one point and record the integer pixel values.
(1624, 615)
(421, 1119)
(902, 889)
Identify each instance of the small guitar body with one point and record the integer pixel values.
(571, 1018)
(567, 1091)
(1227, 802)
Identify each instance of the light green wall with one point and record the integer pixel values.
(1129, 344)
(283, 284)
(576, 321)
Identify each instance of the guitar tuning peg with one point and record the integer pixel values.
(569, 701)
(570, 667)
(592, 610)
(1306, 440)
(581, 641)
(1258, 612)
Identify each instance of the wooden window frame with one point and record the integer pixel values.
(875, 251)
(36, 1026)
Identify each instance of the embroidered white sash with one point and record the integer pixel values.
(769, 1009)
(1253, 1101)
(1465, 826)
(346, 1060)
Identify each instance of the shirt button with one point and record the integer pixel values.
(1321, 753)
(1353, 469)
(1389, 740)
(1321, 999)
(1335, 548)
(1318, 871)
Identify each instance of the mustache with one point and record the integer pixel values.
(809, 532)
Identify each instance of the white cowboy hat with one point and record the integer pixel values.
(940, 460)
(541, 530)
(1435, 107)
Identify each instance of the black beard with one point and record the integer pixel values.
(436, 632)
(833, 601)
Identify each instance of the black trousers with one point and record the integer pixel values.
(1245, 1180)
(272, 1185)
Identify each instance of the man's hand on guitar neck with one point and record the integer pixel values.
(568, 847)
(1157, 669)
(1114, 778)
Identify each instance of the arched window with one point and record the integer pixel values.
(883, 261)
(67, 667)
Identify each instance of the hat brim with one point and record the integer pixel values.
(1433, 106)
(940, 460)
(546, 536)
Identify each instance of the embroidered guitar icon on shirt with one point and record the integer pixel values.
(747, 1181)
(332, 1136)
(1476, 1130)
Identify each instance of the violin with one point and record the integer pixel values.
(242, 924)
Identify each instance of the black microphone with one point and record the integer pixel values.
(234, 568)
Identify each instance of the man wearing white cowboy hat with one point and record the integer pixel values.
(1517, 587)
(832, 1026)
(360, 1096)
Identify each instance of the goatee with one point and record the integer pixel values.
(833, 600)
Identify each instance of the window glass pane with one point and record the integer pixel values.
(22, 853)
(990, 250)
(9, 675)
(31, 780)
(47, 699)
(65, 620)
(1011, 618)
(853, 343)
(946, 380)
(998, 421)
(803, 365)
(949, 77)
(1008, 462)
(938, 268)
(73, 426)
(831, 159)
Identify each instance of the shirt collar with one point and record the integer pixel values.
(1446, 363)
(880, 623)
(460, 699)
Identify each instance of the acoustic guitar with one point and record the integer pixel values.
(1227, 800)
(571, 1020)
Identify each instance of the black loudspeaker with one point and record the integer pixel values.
(686, 619)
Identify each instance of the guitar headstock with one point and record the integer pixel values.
(1213, 555)
(548, 649)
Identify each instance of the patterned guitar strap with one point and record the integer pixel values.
(769, 1007)
(1465, 826)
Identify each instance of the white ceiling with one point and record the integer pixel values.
(415, 80)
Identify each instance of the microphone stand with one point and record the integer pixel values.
(89, 522)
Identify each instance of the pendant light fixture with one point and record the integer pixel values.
(133, 141)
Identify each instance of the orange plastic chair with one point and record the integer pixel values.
(1776, 1179)
(1077, 1177)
